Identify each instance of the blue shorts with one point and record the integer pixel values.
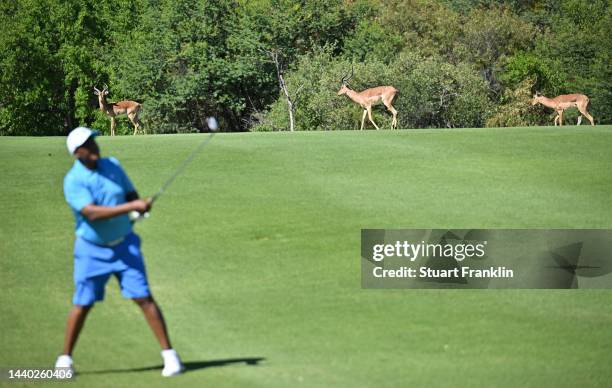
(94, 264)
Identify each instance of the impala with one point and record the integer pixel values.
(563, 102)
(129, 108)
(369, 97)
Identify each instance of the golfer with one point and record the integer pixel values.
(101, 196)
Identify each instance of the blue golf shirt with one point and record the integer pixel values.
(106, 185)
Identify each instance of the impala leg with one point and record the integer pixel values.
(113, 126)
(560, 118)
(137, 120)
(557, 119)
(582, 109)
(370, 117)
(394, 113)
(134, 121)
(579, 120)
(135, 125)
(365, 112)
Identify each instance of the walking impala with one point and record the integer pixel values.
(127, 107)
(369, 97)
(563, 102)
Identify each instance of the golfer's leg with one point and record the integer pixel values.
(76, 319)
(172, 363)
(87, 292)
(155, 319)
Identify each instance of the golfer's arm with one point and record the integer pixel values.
(95, 212)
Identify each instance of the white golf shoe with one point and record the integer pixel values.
(64, 363)
(172, 363)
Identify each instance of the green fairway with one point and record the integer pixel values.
(254, 253)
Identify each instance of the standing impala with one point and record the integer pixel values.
(563, 102)
(129, 108)
(369, 97)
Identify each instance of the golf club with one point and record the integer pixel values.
(213, 125)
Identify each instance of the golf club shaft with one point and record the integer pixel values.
(180, 169)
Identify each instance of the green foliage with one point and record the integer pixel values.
(579, 41)
(426, 26)
(490, 36)
(177, 63)
(434, 93)
(371, 41)
(297, 26)
(527, 65)
(516, 110)
(46, 61)
(185, 60)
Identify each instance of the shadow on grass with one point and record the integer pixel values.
(189, 366)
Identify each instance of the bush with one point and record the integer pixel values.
(434, 93)
(516, 109)
(527, 65)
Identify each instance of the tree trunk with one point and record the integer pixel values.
(289, 102)
(283, 87)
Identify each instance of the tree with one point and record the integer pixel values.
(489, 37)
(47, 63)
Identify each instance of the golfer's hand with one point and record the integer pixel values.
(141, 205)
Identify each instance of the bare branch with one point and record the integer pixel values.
(276, 58)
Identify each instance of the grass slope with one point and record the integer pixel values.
(254, 253)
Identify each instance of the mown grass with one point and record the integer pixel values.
(254, 253)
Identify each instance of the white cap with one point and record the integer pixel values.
(77, 137)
